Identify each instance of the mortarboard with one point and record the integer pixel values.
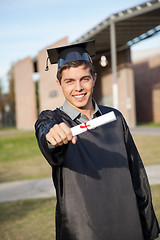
(65, 54)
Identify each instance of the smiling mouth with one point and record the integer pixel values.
(79, 96)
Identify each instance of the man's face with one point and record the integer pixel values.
(77, 86)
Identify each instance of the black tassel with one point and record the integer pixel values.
(47, 68)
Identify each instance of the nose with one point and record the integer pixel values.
(78, 86)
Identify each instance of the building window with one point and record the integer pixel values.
(53, 93)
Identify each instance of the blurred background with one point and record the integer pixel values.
(127, 60)
(127, 56)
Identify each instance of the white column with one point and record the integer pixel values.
(114, 63)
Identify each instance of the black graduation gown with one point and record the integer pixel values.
(101, 184)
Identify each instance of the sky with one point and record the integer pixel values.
(26, 27)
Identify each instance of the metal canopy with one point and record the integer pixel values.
(131, 26)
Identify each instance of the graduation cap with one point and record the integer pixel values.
(69, 53)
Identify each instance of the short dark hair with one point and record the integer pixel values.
(75, 64)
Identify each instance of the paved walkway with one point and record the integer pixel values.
(43, 188)
(146, 131)
(27, 189)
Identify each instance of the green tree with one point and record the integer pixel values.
(11, 96)
(2, 120)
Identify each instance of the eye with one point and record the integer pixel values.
(69, 81)
(85, 79)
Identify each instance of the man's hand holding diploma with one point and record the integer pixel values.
(61, 134)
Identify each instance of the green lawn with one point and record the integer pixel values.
(149, 148)
(150, 124)
(20, 157)
(34, 219)
(27, 220)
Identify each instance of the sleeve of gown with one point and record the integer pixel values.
(42, 126)
(142, 188)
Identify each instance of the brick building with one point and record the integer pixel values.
(147, 86)
(138, 87)
(50, 96)
(25, 94)
(104, 85)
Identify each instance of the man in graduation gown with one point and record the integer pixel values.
(101, 185)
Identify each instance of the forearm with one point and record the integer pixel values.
(52, 154)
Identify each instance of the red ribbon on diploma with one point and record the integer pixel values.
(85, 126)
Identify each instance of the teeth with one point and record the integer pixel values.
(79, 96)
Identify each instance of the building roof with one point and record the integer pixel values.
(131, 26)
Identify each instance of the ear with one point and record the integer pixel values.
(58, 83)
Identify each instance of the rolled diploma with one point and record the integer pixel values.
(96, 122)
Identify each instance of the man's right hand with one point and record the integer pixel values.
(60, 134)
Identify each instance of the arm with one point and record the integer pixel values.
(50, 128)
(141, 187)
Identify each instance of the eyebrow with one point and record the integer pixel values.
(68, 79)
(86, 76)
